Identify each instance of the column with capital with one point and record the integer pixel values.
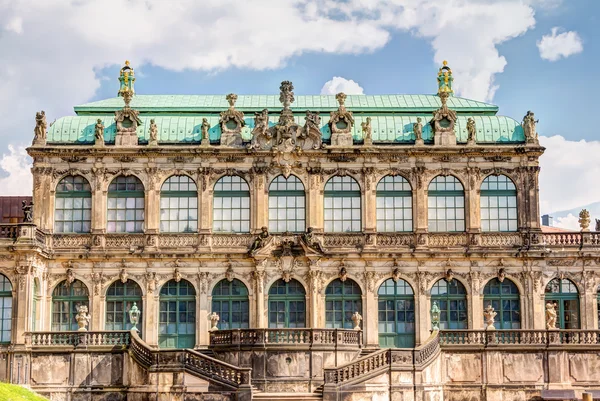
(259, 276)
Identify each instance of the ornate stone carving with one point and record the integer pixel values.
(204, 128)
(261, 134)
(444, 120)
(310, 135)
(70, 277)
(367, 132)
(229, 274)
(343, 273)
(260, 241)
(418, 131)
(501, 274)
(151, 281)
(123, 276)
(356, 319)
(529, 129)
(203, 282)
(127, 120)
(99, 133)
(315, 280)
(489, 314)
(341, 123)
(310, 242)
(259, 279)
(449, 275)
(27, 211)
(40, 130)
(153, 141)
(584, 220)
(214, 320)
(550, 316)
(232, 122)
(82, 317)
(471, 131)
(370, 278)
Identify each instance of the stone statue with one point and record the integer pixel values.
(309, 239)
(99, 133)
(501, 274)
(550, 316)
(471, 130)
(597, 225)
(449, 276)
(584, 220)
(177, 275)
(341, 122)
(435, 317)
(310, 135)
(123, 276)
(260, 240)
(489, 314)
(27, 211)
(82, 317)
(232, 122)
(343, 274)
(261, 135)
(529, 129)
(153, 133)
(134, 316)
(40, 128)
(70, 276)
(418, 130)
(204, 130)
(367, 131)
(214, 320)
(356, 319)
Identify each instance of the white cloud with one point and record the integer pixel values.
(15, 167)
(569, 222)
(556, 45)
(338, 84)
(15, 25)
(569, 174)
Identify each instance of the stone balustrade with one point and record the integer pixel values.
(265, 338)
(521, 338)
(46, 339)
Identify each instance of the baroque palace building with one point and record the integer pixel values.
(214, 213)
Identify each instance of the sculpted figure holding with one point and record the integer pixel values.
(418, 130)
(82, 317)
(40, 126)
(153, 133)
(260, 241)
(471, 131)
(550, 316)
(529, 129)
(311, 241)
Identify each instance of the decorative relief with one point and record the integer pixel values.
(341, 123)
(232, 122)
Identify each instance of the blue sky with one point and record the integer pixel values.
(496, 48)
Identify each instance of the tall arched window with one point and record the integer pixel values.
(394, 204)
(451, 297)
(73, 205)
(342, 299)
(230, 302)
(498, 204)
(5, 309)
(504, 298)
(598, 304)
(125, 205)
(177, 315)
(565, 296)
(287, 209)
(120, 297)
(446, 205)
(179, 205)
(231, 205)
(396, 314)
(342, 205)
(66, 298)
(287, 304)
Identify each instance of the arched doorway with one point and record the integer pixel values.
(504, 298)
(120, 297)
(287, 304)
(451, 298)
(177, 315)
(396, 315)
(342, 299)
(564, 294)
(66, 298)
(230, 302)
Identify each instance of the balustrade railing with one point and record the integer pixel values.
(9, 231)
(541, 338)
(140, 351)
(216, 369)
(293, 337)
(384, 359)
(77, 338)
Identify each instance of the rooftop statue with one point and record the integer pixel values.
(153, 133)
(126, 80)
(472, 131)
(529, 128)
(367, 131)
(261, 135)
(418, 131)
(204, 130)
(445, 79)
(99, 133)
(40, 128)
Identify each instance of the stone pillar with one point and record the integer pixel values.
(314, 281)
(420, 219)
(205, 203)
(422, 317)
(260, 300)
(203, 310)
(533, 197)
(152, 211)
(22, 287)
(477, 305)
(43, 198)
(314, 203)
(473, 213)
(370, 315)
(97, 310)
(150, 331)
(260, 203)
(369, 202)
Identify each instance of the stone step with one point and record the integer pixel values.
(287, 396)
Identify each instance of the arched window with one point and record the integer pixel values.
(451, 297)
(125, 205)
(73, 205)
(230, 302)
(565, 296)
(179, 205)
(446, 205)
(120, 297)
(177, 315)
(396, 314)
(598, 304)
(231, 205)
(287, 304)
(287, 210)
(394, 205)
(5, 309)
(504, 298)
(498, 204)
(342, 299)
(342, 205)
(66, 298)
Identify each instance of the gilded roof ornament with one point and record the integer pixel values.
(126, 81)
(445, 79)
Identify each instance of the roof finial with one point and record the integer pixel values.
(126, 80)
(445, 79)
(286, 94)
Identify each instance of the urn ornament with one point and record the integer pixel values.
(134, 316)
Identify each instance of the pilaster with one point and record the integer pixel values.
(315, 202)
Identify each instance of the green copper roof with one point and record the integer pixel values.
(184, 129)
(355, 103)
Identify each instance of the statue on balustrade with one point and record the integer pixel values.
(27, 212)
(597, 225)
(99, 133)
(260, 241)
(550, 316)
(82, 317)
(489, 314)
(312, 242)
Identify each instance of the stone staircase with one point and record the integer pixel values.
(287, 396)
